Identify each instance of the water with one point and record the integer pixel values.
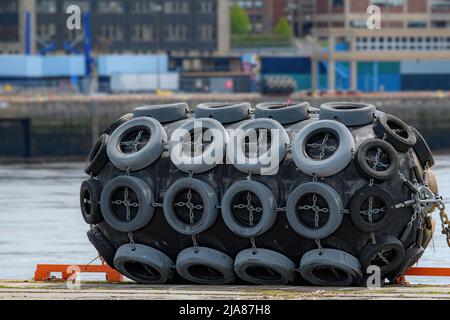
(40, 220)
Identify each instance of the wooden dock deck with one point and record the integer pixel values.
(31, 290)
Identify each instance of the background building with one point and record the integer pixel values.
(117, 26)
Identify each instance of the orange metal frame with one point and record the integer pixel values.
(44, 271)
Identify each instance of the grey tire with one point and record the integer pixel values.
(115, 213)
(282, 112)
(369, 254)
(224, 112)
(260, 194)
(208, 158)
(348, 113)
(334, 163)
(143, 264)
(263, 266)
(207, 200)
(163, 113)
(330, 267)
(328, 195)
(205, 266)
(143, 157)
(266, 163)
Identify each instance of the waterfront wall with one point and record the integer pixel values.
(65, 126)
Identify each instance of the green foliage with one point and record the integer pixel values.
(283, 28)
(240, 22)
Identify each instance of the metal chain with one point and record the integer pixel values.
(319, 246)
(444, 220)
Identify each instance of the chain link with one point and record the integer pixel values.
(444, 220)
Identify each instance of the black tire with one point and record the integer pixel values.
(369, 254)
(138, 191)
(224, 112)
(412, 255)
(104, 248)
(144, 264)
(90, 192)
(263, 266)
(118, 123)
(422, 150)
(205, 266)
(98, 156)
(383, 166)
(382, 216)
(348, 113)
(282, 112)
(394, 131)
(163, 113)
(203, 193)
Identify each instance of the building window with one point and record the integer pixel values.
(143, 32)
(47, 31)
(84, 5)
(110, 32)
(46, 6)
(207, 7)
(206, 32)
(176, 7)
(110, 6)
(8, 6)
(417, 24)
(177, 32)
(358, 24)
(145, 6)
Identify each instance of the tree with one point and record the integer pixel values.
(283, 28)
(240, 22)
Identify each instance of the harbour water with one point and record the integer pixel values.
(40, 220)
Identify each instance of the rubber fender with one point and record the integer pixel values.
(328, 203)
(394, 131)
(282, 112)
(348, 113)
(323, 148)
(372, 209)
(263, 266)
(391, 250)
(266, 163)
(245, 197)
(330, 267)
(109, 130)
(98, 156)
(164, 113)
(376, 159)
(143, 264)
(90, 201)
(205, 266)
(103, 246)
(224, 112)
(123, 193)
(136, 144)
(422, 150)
(200, 198)
(208, 158)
